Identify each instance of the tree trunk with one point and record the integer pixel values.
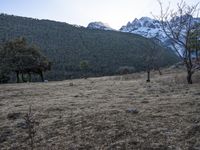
(23, 78)
(189, 76)
(189, 65)
(148, 76)
(196, 52)
(29, 75)
(17, 73)
(160, 73)
(41, 75)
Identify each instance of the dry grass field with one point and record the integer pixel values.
(107, 113)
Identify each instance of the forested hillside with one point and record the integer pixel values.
(67, 46)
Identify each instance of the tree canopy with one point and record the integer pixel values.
(18, 57)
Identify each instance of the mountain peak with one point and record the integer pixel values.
(146, 18)
(99, 25)
(144, 26)
(151, 28)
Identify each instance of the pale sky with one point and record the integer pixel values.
(81, 12)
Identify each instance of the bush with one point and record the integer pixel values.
(126, 70)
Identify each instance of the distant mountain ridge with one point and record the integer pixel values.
(146, 27)
(149, 28)
(67, 46)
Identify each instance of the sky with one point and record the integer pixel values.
(81, 12)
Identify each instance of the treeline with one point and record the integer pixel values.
(67, 47)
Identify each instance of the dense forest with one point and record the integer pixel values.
(68, 47)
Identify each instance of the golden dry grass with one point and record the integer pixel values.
(96, 113)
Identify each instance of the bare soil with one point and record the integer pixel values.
(107, 113)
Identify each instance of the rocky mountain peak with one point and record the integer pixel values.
(99, 25)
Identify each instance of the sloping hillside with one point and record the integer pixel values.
(119, 112)
(67, 46)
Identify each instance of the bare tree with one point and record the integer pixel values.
(178, 26)
(31, 131)
(151, 58)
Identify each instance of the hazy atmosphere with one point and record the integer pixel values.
(81, 12)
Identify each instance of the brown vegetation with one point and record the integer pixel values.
(120, 112)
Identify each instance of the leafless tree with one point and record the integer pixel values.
(178, 25)
(151, 58)
(31, 131)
